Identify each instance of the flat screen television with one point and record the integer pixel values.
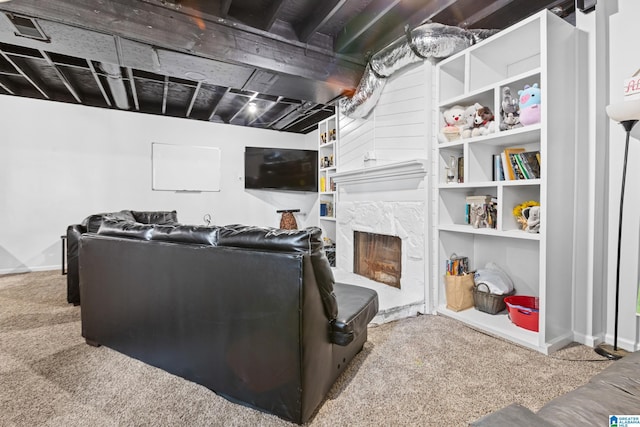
(280, 169)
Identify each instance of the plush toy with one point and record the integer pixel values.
(454, 121)
(510, 110)
(533, 218)
(530, 99)
(469, 116)
(483, 122)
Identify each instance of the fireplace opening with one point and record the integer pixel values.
(378, 257)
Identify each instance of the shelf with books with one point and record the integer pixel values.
(328, 142)
(532, 51)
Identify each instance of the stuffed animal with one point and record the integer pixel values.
(454, 121)
(529, 103)
(510, 122)
(483, 122)
(469, 116)
(510, 110)
(532, 214)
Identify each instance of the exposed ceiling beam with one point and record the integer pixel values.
(484, 12)
(272, 14)
(426, 13)
(99, 83)
(6, 88)
(265, 111)
(61, 76)
(225, 5)
(241, 109)
(165, 92)
(25, 75)
(193, 98)
(318, 18)
(215, 108)
(215, 39)
(373, 13)
(134, 91)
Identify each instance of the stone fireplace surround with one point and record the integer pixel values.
(390, 199)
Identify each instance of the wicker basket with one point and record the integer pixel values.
(488, 302)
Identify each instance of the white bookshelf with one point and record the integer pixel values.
(541, 49)
(327, 156)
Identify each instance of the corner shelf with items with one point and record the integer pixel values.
(327, 157)
(540, 264)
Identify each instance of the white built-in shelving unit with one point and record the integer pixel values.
(327, 156)
(541, 49)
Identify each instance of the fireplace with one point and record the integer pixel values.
(381, 235)
(378, 257)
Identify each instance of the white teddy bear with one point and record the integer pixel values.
(469, 117)
(454, 122)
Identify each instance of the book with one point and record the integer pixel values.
(460, 169)
(518, 168)
(510, 173)
(531, 162)
(498, 171)
(481, 200)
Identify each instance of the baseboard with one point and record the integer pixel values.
(588, 340)
(623, 343)
(397, 313)
(25, 269)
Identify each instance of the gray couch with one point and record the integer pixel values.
(614, 391)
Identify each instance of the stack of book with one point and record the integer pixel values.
(516, 163)
(457, 265)
(481, 211)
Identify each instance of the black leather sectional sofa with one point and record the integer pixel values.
(91, 224)
(251, 313)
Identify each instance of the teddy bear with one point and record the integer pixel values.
(529, 103)
(454, 121)
(510, 110)
(483, 122)
(469, 116)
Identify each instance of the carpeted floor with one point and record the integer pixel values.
(421, 371)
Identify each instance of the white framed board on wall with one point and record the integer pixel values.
(184, 167)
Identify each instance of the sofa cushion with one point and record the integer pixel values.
(156, 217)
(92, 222)
(204, 235)
(307, 240)
(129, 229)
(357, 306)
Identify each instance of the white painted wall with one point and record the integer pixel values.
(624, 61)
(61, 162)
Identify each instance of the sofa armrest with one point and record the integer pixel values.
(512, 415)
(357, 306)
(73, 279)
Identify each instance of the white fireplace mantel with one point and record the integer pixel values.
(393, 176)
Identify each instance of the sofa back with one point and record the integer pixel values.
(307, 241)
(246, 323)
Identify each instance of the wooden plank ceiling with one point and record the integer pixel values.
(277, 64)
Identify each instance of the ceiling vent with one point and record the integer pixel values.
(27, 27)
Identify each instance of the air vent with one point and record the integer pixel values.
(27, 27)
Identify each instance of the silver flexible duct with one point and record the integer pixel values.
(427, 41)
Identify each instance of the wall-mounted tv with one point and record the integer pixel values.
(280, 169)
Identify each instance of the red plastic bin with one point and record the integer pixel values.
(523, 311)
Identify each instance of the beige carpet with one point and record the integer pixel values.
(422, 371)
